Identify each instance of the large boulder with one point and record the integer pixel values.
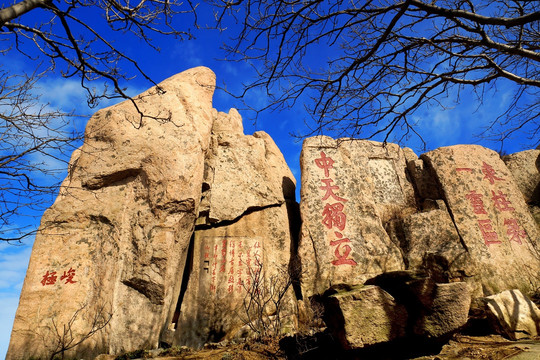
(364, 315)
(442, 308)
(350, 190)
(490, 215)
(513, 314)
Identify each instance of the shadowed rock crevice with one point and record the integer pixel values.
(98, 181)
(225, 223)
(154, 292)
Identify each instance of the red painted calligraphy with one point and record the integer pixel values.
(325, 163)
(333, 215)
(68, 276)
(49, 278)
(489, 235)
(232, 264)
(489, 173)
(476, 202)
(514, 232)
(330, 190)
(500, 201)
(342, 257)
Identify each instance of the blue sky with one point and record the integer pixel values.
(455, 125)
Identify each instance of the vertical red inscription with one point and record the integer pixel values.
(501, 203)
(233, 264)
(325, 163)
(333, 215)
(476, 202)
(342, 257)
(68, 276)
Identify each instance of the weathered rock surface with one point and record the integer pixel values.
(491, 217)
(243, 230)
(515, 315)
(432, 244)
(117, 236)
(350, 189)
(434, 309)
(522, 166)
(444, 308)
(363, 316)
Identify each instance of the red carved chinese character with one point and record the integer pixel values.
(489, 173)
(230, 289)
(333, 215)
(476, 202)
(69, 276)
(325, 163)
(49, 278)
(500, 201)
(514, 232)
(341, 258)
(330, 190)
(490, 236)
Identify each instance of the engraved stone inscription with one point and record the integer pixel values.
(230, 263)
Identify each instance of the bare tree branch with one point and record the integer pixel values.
(365, 68)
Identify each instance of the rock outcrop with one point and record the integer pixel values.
(453, 219)
(522, 166)
(242, 241)
(175, 228)
(350, 190)
(113, 256)
(491, 217)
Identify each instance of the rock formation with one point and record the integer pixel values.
(350, 189)
(242, 243)
(113, 254)
(434, 233)
(174, 228)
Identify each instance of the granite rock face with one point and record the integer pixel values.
(522, 166)
(350, 189)
(117, 236)
(490, 215)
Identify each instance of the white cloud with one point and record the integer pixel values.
(13, 264)
(7, 314)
